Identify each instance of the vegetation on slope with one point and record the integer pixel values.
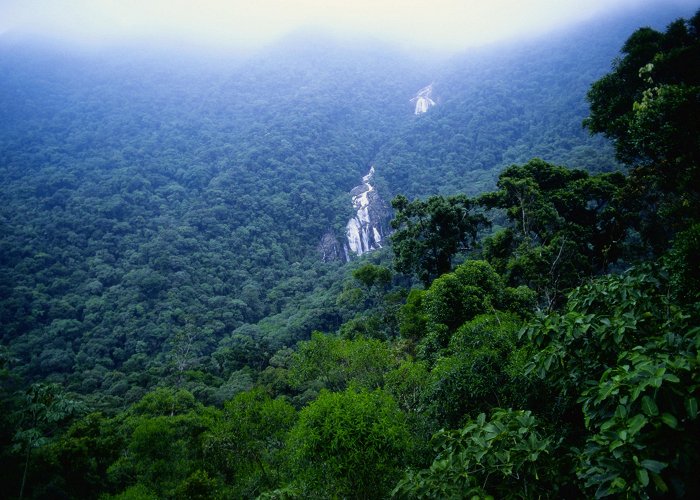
(519, 369)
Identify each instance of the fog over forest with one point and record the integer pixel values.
(445, 25)
(324, 249)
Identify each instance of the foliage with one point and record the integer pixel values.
(649, 106)
(642, 416)
(199, 486)
(335, 363)
(684, 266)
(482, 369)
(506, 456)
(564, 224)
(245, 445)
(496, 108)
(629, 357)
(412, 317)
(82, 455)
(162, 442)
(349, 444)
(429, 233)
(371, 275)
(407, 384)
(159, 256)
(370, 301)
(608, 316)
(473, 288)
(43, 408)
(153, 209)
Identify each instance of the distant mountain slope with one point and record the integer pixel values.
(145, 199)
(506, 104)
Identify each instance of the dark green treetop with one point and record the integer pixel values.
(430, 232)
(649, 105)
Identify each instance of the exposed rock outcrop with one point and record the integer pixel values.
(330, 248)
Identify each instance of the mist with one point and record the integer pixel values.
(441, 25)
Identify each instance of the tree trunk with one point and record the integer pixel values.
(26, 467)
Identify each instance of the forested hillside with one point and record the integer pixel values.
(145, 199)
(170, 330)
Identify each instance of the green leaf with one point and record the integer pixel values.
(619, 483)
(636, 423)
(660, 484)
(691, 406)
(615, 444)
(669, 420)
(607, 425)
(653, 465)
(621, 411)
(643, 477)
(649, 406)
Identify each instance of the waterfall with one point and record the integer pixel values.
(423, 100)
(364, 231)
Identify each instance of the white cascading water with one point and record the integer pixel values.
(423, 100)
(363, 234)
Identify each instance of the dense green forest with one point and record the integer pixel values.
(145, 198)
(169, 329)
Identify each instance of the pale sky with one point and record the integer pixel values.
(434, 24)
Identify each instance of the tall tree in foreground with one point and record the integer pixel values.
(564, 225)
(626, 358)
(649, 105)
(44, 407)
(506, 455)
(430, 232)
(349, 445)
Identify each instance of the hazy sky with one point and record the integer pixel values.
(443, 24)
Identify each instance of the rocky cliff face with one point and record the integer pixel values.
(330, 249)
(365, 231)
(368, 228)
(423, 100)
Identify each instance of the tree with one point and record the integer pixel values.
(429, 233)
(412, 317)
(44, 407)
(349, 445)
(82, 455)
(649, 106)
(245, 444)
(472, 288)
(371, 275)
(508, 455)
(368, 303)
(335, 363)
(625, 358)
(564, 224)
(184, 350)
(482, 369)
(684, 266)
(163, 435)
